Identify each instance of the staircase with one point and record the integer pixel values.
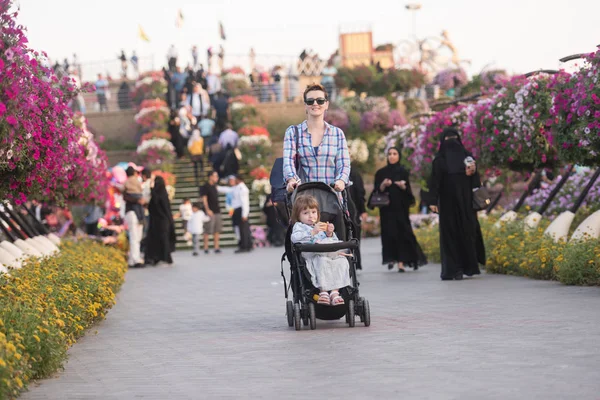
(185, 187)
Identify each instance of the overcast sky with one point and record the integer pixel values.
(517, 35)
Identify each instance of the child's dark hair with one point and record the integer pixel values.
(302, 203)
(185, 200)
(197, 205)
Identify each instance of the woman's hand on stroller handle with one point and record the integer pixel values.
(292, 183)
(339, 185)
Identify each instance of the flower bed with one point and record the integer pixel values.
(253, 130)
(48, 304)
(255, 149)
(154, 153)
(512, 250)
(567, 195)
(155, 135)
(153, 118)
(150, 85)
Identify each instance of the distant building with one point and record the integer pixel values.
(356, 48)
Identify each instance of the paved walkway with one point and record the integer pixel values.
(214, 327)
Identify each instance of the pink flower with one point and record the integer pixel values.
(11, 120)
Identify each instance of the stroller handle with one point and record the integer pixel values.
(326, 247)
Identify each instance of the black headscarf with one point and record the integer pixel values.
(452, 151)
(395, 171)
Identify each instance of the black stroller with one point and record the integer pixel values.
(303, 308)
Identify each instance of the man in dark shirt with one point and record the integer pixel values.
(210, 199)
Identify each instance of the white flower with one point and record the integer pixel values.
(587, 130)
(159, 143)
(255, 140)
(9, 154)
(359, 150)
(261, 186)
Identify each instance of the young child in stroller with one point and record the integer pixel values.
(329, 271)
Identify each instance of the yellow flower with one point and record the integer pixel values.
(36, 337)
(2, 363)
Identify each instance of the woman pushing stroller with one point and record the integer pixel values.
(329, 271)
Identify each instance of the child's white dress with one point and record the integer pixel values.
(327, 270)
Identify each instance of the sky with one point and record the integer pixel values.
(516, 35)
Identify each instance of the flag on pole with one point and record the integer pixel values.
(221, 31)
(179, 21)
(142, 34)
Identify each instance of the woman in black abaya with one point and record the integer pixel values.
(176, 139)
(399, 244)
(160, 241)
(461, 242)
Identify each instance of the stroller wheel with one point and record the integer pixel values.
(289, 312)
(361, 301)
(350, 314)
(366, 317)
(297, 319)
(304, 315)
(312, 316)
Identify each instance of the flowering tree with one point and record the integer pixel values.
(514, 125)
(451, 78)
(43, 153)
(338, 117)
(576, 113)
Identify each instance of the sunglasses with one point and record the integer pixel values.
(320, 101)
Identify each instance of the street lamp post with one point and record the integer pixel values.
(414, 7)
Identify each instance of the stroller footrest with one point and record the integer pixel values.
(326, 247)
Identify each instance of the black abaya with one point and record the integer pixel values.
(176, 139)
(398, 240)
(160, 241)
(461, 241)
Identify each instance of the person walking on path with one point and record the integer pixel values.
(134, 215)
(240, 203)
(195, 226)
(322, 147)
(210, 200)
(161, 232)
(451, 193)
(398, 242)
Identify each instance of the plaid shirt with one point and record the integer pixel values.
(330, 164)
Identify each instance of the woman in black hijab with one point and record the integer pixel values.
(451, 191)
(176, 139)
(160, 242)
(399, 244)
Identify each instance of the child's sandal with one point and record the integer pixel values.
(324, 298)
(336, 299)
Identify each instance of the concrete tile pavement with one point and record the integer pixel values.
(214, 327)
